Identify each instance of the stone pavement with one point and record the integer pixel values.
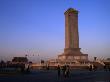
(51, 76)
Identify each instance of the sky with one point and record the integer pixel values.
(36, 28)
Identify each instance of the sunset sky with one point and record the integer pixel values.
(36, 28)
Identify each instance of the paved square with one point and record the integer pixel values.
(51, 76)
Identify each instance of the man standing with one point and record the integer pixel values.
(58, 68)
(64, 70)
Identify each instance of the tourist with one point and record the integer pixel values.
(109, 67)
(105, 67)
(94, 67)
(47, 67)
(58, 69)
(22, 66)
(64, 70)
(67, 72)
(90, 67)
(28, 68)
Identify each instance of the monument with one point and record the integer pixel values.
(72, 50)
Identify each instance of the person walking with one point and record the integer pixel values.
(59, 71)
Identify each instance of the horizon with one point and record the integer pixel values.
(36, 28)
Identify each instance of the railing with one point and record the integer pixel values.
(101, 62)
(59, 64)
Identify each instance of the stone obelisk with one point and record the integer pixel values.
(71, 30)
(72, 50)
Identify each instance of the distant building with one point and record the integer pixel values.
(20, 60)
(108, 59)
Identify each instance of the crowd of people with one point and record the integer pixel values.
(65, 71)
(92, 67)
(107, 67)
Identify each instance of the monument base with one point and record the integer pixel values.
(73, 54)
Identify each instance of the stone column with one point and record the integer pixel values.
(71, 29)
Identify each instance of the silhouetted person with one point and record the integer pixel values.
(64, 70)
(67, 71)
(22, 68)
(59, 71)
(90, 67)
(105, 67)
(47, 67)
(109, 67)
(28, 69)
(94, 67)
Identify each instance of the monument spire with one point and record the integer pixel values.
(71, 29)
(72, 50)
